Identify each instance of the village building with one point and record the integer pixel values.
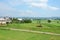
(20, 19)
(4, 20)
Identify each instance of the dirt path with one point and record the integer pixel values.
(33, 31)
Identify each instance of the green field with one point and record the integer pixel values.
(17, 35)
(52, 27)
(46, 27)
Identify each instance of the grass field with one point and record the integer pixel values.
(48, 27)
(52, 27)
(17, 35)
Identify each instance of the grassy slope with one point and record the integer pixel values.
(31, 26)
(16, 35)
(49, 27)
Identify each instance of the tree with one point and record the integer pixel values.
(49, 21)
(7, 23)
(39, 23)
(27, 21)
(15, 20)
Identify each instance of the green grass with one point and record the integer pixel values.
(32, 26)
(47, 27)
(17, 35)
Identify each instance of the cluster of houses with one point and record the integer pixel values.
(4, 20)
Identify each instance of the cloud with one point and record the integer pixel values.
(10, 11)
(4, 7)
(12, 8)
(44, 1)
(27, 0)
(9, 6)
(53, 8)
(14, 2)
(33, 3)
(41, 4)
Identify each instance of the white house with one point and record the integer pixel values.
(20, 19)
(4, 20)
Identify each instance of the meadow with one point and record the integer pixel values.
(18, 35)
(46, 27)
(52, 27)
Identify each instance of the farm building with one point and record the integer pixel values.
(4, 20)
(20, 19)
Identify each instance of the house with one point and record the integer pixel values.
(4, 20)
(20, 19)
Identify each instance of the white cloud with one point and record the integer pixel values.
(34, 3)
(53, 8)
(4, 7)
(27, 0)
(9, 11)
(40, 4)
(14, 2)
(8, 8)
(44, 0)
(43, 4)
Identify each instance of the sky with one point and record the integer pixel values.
(30, 8)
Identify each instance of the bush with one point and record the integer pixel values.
(15, 20)
(7, 22)
(39, 25)
(26, 21)
(49, 21)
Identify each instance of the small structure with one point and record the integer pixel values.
(20, 19)
(4, 21)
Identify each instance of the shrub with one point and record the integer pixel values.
(26, 21)
(49, 21)
(39, 25)
(15, 20)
